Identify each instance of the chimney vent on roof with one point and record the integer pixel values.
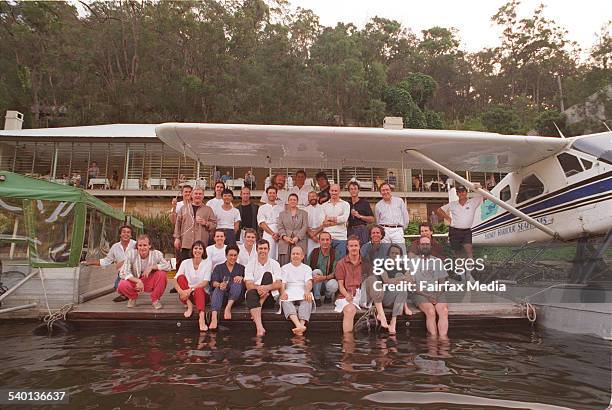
(13, 120)
(393, 123)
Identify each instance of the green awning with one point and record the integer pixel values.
(19, 186)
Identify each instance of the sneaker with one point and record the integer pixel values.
(173, 290)
(120, 298)
(131, 303)
(157, 305)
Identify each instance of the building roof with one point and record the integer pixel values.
(91, 131)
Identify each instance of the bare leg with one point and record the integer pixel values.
(202, 322)
(442, 310)
(227, 314)
(430, 315)
(348, 318)
(214, 320)
(189, 310)
(299, 329)
(380, 315)
(407, 310)
(392, 325)
(256, 313)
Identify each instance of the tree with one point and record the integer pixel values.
(502, 120)
(547, 122)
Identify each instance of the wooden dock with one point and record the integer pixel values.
(482, 310)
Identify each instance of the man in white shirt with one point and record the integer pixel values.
(315, 221)
(144, 270)
(301, 189)
(248, 249)
(228, 217)
(335, 216)
(278, 182)
(460, 214)
(262, 280)
(392, 214)
(116, 255)
(216, 202)
(267, 218)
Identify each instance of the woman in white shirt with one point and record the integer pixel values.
(190, 280)
(216, 251)
(296, 290)
(228, 217)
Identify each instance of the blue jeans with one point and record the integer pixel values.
(340, 248)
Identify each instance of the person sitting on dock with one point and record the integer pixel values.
(267, 218)
(348, 272)
(194, 222)
(248, 249)
(144, 270)
(296, 290)
(322, 261)
(116, 255)
(433, 303)
(216, 252)
(228, 217)
(385, 298)
(227, 282)
(263, 280)
(426, 230)
(190, 281)
(375, 249)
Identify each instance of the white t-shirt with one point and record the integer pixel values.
(215, 204)
(295, 279)
(462, 217)
(269, 214)
(341, 210)
(244, 257)
(179, 205)
(216, 255)
(254, 271)
(226, 219)
(315, 216)
(195, 276)
(117, 254)
(391, 213)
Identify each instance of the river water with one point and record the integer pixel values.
(161, 369)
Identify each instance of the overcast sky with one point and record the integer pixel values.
(582, 18)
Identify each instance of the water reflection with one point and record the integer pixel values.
(148, 368)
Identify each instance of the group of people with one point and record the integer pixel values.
(298, 249)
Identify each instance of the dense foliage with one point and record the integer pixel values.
(258, 61)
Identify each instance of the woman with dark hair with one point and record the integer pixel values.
(377, 291)
(190, 280)
(228, 283)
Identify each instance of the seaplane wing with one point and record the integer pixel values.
(281, 146)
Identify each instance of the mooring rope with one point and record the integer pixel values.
(530, 312)
(59, 314)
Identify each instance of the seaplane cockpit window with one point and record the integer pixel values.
(505, 194)
(570, 164)
(586, 163)
(531, 187)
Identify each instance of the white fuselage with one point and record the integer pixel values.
(570, 192)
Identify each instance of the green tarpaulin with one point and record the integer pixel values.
(20, 186)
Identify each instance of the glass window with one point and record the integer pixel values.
(530, 188)
(570, 164)
(505, 194)
(54, 221)
(586, 163)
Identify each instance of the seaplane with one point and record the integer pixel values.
(556, 188)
